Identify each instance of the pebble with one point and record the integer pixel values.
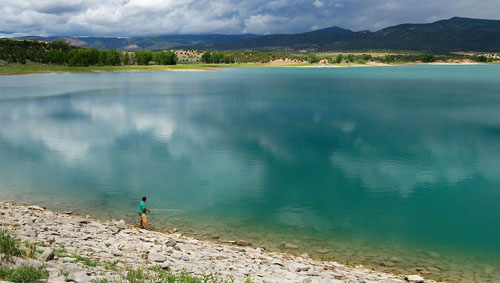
(111, 242)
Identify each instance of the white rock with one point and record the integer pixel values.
(156, 257)
(121, 224)
(47, 255)
(415, 278)
(78, 277)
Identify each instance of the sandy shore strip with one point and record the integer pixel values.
(83, 249)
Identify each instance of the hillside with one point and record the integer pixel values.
(453, 35)
(143, 43)
(445, 36)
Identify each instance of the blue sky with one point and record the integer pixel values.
(148, 17)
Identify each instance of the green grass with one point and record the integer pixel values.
(28, 69)
(25, 274)
(9, 245)
(157, 275)
(61, 252)
(85, 260)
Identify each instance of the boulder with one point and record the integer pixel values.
(47, 255)
(29, 233)
(121, 224)
(242, 243)
(414, 278)
(35, 207)
(291, 246)
(156, 257)
(170, 243)
(78, 277)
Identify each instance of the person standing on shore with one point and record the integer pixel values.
(143, 223)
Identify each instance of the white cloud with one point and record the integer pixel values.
(318, 4)
(141, 17)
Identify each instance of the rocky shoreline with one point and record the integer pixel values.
(82, 249)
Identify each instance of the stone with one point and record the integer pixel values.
(242, 243)
(215, 237)
(156, 257)
(36, 207)
(47, 255)
(414, 278)
(395, 259)
(171, 243)
(291, 246)
(322, 251)
(433, 269)
(29, 233)
(121, 224)
(294, 267)
(78, 277)
(69, 212)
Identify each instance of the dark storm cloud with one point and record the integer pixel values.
(141, 17)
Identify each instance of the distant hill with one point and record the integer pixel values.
(453, 35)
(445, 36)
(141, 43)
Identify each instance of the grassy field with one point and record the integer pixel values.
(30, 69)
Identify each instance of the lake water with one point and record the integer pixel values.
(359, 165)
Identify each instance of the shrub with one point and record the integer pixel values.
(9, 245)
(25, 274)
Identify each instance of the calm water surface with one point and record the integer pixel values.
(367, 163)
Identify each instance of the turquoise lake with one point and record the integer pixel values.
(394, 168)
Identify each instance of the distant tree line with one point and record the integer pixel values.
(61, 53)
(217, 57)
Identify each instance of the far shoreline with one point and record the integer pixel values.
(55, 69)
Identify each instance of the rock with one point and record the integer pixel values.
(277, 262)
(305, 255)
(298, 267)
(395, 259)
(215, 237)
(121, 224)
(291, 246)
(241, 243)
(387, 263)
(173, 230)
(69, 212)
(78, 276)
(35, 207)
(47, 255)
(116, 252)
(241, 250)
(156, 257)
(171, 243)
(414, 278)
(29, 233)
(433, 269)
(322, 251)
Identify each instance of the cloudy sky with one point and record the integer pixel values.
(148, 17)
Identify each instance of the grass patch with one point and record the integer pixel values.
(157, 275)
(61, 252)
(32, 250)
(9, 245)
(27, 69)
(85, 260)
(25, 274)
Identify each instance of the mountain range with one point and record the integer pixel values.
(445, 36)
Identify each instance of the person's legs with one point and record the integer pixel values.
(144, 220)
(140, 220)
